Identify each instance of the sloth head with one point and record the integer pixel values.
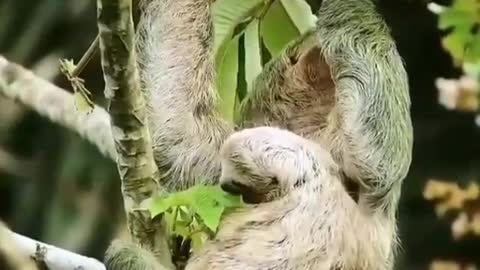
(295, 91)
(265, 163)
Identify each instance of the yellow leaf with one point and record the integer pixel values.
(82, 103)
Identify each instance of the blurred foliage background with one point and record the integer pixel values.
(57, 188)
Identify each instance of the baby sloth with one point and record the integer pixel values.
(302, 219)
(266, 163)
(294, 225)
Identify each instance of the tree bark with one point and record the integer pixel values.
(135, 161)
(20, 250)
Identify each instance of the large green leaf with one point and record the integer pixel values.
(277, 29)
(227, 14)
(300, 13)
(227, 78)
(253, 57)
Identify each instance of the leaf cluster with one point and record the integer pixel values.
(194, 214)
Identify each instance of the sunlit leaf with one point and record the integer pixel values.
(227, 14)
(159, 205)
(456, 42)
(274, 39)
(182, 229)
(300, 13)
(473, 50)
(253, 58)
(185, 214)
(227, 79)
(462, 19)
(198, 209)
(210, 211)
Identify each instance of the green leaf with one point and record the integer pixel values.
(206, 201)
(455, 18)
(209, 202)
(456, 43)
(253, 57)
(218, 194)
(210, 211)
(465, 5)
(300, 13)
(473, 50)
(462, 41)
(194, 213)
(82, 102)
(185, 214)
(277, 18)
(227, 14)
(159, 205)
(182, 228)
(227, 199)
(227, 79)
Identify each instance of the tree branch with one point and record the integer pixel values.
(135, 162)
(56, 104)
(50, 257)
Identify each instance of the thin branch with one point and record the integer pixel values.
(135, 162)
(92, 49)
(52, 258)
(56, 104)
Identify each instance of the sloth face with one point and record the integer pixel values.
(265, 163)
(296, 91)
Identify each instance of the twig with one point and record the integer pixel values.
(56, 104)
(86, 57)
